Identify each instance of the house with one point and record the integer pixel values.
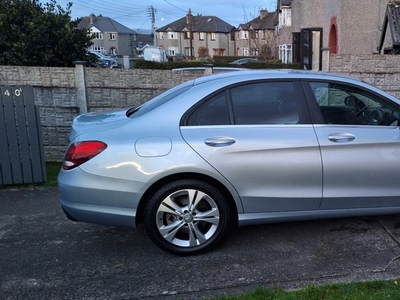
(284, 31)
(340, 26)
(257, 37)
(110, 37)
(190, 33)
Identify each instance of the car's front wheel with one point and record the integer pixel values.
(187, 217)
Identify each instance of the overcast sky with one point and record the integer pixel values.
(136, 14)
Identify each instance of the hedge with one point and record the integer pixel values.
(273, 64)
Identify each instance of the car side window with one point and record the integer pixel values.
(265, 103)
(213, 112)
(348, 105)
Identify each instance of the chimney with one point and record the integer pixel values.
(263, 13)
(91, 18)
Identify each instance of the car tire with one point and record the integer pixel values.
(187, 217)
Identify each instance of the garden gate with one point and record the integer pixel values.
(21, 145)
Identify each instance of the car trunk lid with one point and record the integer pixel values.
(97, 121)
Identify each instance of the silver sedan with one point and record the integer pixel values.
(239, 148)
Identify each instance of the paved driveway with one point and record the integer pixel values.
(45, 256)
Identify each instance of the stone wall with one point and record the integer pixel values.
(382, 71)
(107, 89)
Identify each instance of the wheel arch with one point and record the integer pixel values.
(158, 184)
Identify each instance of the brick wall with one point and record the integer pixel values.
(56, 93)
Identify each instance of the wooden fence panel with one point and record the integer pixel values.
(21, 147)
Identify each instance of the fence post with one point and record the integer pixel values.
(127, 62)
(80, 84)
(208, 69)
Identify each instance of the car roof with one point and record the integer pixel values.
(245, 75)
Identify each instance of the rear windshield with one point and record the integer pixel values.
(159, 100)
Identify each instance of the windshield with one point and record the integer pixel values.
(159, 100)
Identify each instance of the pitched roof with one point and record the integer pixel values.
(104, 24)
(199, 24)
(268, 21)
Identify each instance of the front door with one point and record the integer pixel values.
(360, 147)
(311, 53)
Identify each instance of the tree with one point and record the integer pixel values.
(203, 52)
(35, 35)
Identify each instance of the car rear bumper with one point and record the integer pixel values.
(99, 215)
(100, 200)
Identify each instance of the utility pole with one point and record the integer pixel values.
(189, 20)
(153, 24)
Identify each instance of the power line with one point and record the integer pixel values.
(175, 6)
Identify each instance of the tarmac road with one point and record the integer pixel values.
(45, 256)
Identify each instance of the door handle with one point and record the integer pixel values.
(341, 137)
(219, 141)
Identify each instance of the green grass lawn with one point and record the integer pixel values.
(371, 290)
(52, 171)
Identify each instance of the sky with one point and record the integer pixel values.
(136, 15)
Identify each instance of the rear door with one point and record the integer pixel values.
(259, 137)
(360, 146)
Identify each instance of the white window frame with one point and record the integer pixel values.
(285, 17)
(101, 50)
(172, 50)
(172, 35)
(285, 53)
(213, 36)
(202, 36)
(112, 36)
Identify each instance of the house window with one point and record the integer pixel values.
(161, 35)
(201, 36)
(232, 35)
(213, 36)
(254, 52)
(243, 35)
(112, 36)
(172, 35)
(98, 35)
(99, 49)
(187, 35)
(172, 51)
(285, 17)
(285, 53)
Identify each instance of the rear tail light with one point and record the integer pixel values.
(81, 152)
